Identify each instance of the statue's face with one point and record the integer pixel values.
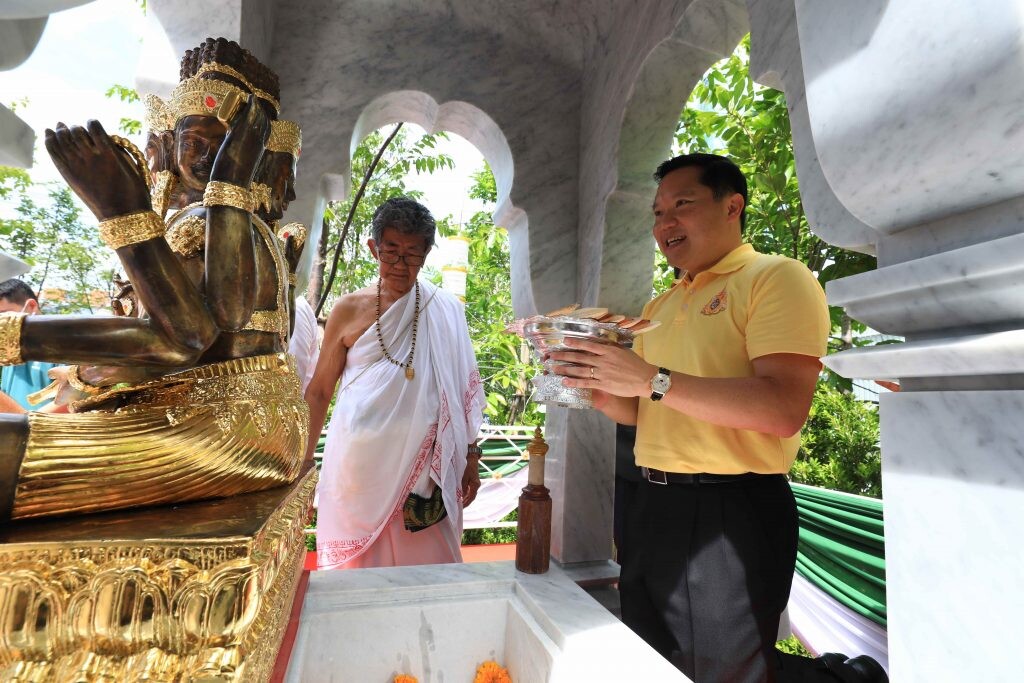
(196, 142)
(278, 171)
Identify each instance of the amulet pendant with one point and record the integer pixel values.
(409, 373)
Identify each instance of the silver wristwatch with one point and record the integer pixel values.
(660, 384)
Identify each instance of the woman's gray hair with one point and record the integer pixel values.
(405, 215)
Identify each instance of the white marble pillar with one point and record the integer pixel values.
(910, 143)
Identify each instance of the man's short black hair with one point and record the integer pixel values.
(717, 172)
(16, 291)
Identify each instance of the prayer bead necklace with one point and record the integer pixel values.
(409, 372)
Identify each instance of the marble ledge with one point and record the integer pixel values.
(970, 286)
(16, 140)
(996, 353)
(436, 620)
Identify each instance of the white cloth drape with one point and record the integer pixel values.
(305, 341)
(389, 435)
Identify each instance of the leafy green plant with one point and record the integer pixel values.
(839, 445)
(730, 114)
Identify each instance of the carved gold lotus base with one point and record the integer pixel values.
(195, 592)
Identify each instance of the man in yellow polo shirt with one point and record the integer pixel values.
(719, 393)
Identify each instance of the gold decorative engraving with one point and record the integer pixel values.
(158, 116)
(264, 321)
(208, 604)
(285, 136)
(10, 338)
(297, 231)
(202, 97)
(131, 228)
(261, 194)
(210, 431)
(225, 194)
(137, 157)
(187, 236)
(162, 187)
(234, 73)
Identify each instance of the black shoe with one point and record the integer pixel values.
(860, 669)
(868, 668)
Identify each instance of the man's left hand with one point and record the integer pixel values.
(470, 482)
(611, 369)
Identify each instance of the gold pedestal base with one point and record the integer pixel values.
(194, 592)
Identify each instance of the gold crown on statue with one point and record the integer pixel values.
(206, 97)
(237, 75)
(285, 136)
(297, 231)
(158, 116)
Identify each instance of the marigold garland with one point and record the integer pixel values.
(405, 678)
(492, 672)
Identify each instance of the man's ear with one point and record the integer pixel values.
(31, 306)
(735, 206)
(372, 244)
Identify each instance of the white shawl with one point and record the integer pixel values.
(389, 435)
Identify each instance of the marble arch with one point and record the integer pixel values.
(473, 124)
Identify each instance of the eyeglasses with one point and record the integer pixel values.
(390, 257)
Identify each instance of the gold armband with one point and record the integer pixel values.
(225, 194)
(10, 338)
(131, 228)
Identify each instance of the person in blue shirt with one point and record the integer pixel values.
(18, 381)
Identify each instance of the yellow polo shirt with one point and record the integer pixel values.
(746, 306)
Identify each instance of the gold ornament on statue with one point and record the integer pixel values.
(137, 157)
(285, 136)
(162, 188)
(297, 231)
(214, 67)
(225, 194)
(131, 228)
(10, 338)
(158, 115)
(205, 97)
(261, 194)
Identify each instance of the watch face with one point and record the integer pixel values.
(661, 383)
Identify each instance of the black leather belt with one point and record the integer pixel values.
(663, 478)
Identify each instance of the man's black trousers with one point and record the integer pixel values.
(709, 572)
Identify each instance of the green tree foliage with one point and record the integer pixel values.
(839, 445)
(730, 114)
(403, 155)
(49, 235)
(504, 360)
(127, 125)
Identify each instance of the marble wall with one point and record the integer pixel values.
(908, 137)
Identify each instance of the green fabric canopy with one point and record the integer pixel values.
(842, 548)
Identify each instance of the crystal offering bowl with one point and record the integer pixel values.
(546, 334)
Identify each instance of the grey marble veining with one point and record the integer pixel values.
(953, 476)
(972, 286)
(917, 92)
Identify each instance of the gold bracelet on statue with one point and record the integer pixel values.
(225, 194)
(10, 338)
(131, 228)
(77, 383)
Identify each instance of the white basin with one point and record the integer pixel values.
(438, 622)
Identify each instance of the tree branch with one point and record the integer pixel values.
(352, 213)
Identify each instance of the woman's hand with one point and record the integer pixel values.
(103, 174)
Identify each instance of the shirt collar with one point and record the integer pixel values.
(733, 261)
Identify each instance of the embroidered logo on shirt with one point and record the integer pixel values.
(719, 302)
